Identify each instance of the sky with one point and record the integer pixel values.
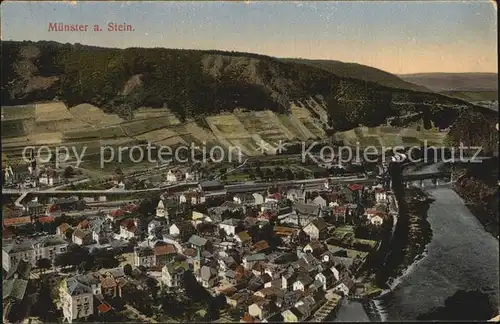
(398, 37)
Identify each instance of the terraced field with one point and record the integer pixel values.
(87, 126)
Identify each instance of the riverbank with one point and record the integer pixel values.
(478, 187)
(413, 233)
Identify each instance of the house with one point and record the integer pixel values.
(380, 195)
(267, 293)
(62, 229)
(296, 195)
(47, 247)
(327, 277)
(307, 210)
(244, 199)
(208, 276)
(200, 244)
(111, 287)
(33, 208)
(164, 253)
(315, 248)
(14, 285)
(292, 315)
(374, 217)
(261, 246)
(258, 198)
(144, 256)
(48, 178)
(211, 185)
(128, 229)
(155, 228)
(275, 197)
(227, 206)
(339, 214)
(269, 206)
(302, 281)
(345, 286)
(67, 204)
(77, 300)
(260, 309)
(229, 226)
(183, 230)
(192, 197)
(287, 279)
(243, 238)
(250, 260)
(247, 318)
(319, 201)
(81, 237)
(172, 176)
(115, 215)
(172, 273)
(237, 298)
(316, 229)
(16, 221)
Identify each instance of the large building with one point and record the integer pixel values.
(32, 250)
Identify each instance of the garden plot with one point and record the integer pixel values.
(93, 115)
(227, 127)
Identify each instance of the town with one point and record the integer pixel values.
(200, 249)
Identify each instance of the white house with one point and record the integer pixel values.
(128, 228)
(172, 273)
(320, 201)
(189, 176)
(172, 176)
(380, 195)
(302, 282)
(77, 300)
(296, 194)
(258, 199)
(229, 226)
(47, 247)
(174, 230)
(376, 220)
(316, 229)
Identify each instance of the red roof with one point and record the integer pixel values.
(276, 196)
(379, 190)
(46, 219)
(103, 308)
(371, 211)
(117, 213)
(339, 209)
(130, 207)
(16, 221)
(128, 223)
(165, 249)
(354, 187)
(84, 224)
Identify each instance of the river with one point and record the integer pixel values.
(460, 256)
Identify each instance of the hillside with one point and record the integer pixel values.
(479, 189)
(441, 82)
(173, 96)
(361, 72)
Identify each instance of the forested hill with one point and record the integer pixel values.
(361, 72)
(195, 83)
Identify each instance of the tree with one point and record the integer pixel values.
(103, 258)
(44, 264)
(68, 172)
(127, 269)
(153, 286)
